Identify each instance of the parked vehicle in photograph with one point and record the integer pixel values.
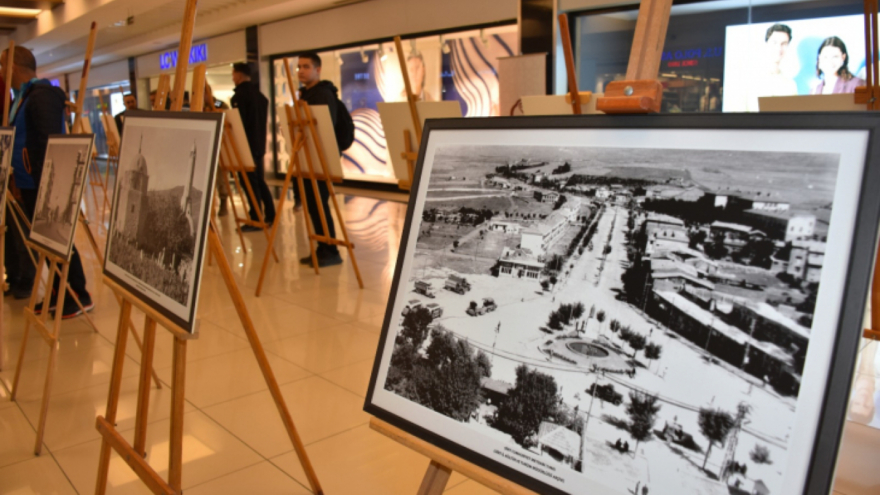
(457, 284)
(411, 305)
(425, 289)
(487, 307)
(435, 309)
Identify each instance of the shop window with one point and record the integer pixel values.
(459, 67)
(718, 55)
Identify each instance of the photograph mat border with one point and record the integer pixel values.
(8, 165)
(824, 420)
(193, 121)
(40, 240)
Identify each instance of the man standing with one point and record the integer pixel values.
(131, 103)
(254, 110)
(317, 92)
(37, 112)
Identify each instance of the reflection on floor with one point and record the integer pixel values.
(321, 334)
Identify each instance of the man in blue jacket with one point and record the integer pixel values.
(37, 112)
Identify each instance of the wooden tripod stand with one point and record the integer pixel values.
(302, 129)
(134, 454)
(232, 163)
(8, 77)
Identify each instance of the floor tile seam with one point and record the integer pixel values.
(298, 482)
(359, 361)
(323, 328)
(225, 401)
(341, 387)
(196, 360)
(227, 473)
(63, 471)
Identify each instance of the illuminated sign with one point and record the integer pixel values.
(197, 54)
(694, 53)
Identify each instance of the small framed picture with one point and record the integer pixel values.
(161, 209)
(62, 181)
(634, 304)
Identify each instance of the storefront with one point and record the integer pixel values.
(218, 53)
(452, 50)
(721, 55)
(455, 66)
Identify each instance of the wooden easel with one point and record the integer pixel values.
(134, 454)
(8, 79)
(639, 94)
(411, 152)
(302, 128)
(231, 162)
(112, 156)
(57, 266)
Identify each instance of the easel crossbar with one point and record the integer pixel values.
(40, 326)
(137, 463)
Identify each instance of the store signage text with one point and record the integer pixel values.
(197, 55)
(694, 53)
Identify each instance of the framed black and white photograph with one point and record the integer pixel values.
(7, 138)
(60, 191)
(159, 223)
(634, 304)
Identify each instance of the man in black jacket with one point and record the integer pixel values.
(314, 91)
(37, 112)
(254, 110)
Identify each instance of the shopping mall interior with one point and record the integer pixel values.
(541, 311)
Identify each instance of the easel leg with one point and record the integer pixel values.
(342, 227)
(263, 361)
(113, 397)
(434, 482)
(3, 283)
(271, 234)
(143, 405)
(309, 227)
(178, 382)
(53, 353)
(27, 323)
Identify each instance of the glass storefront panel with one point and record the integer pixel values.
(459, 67)
(111, 98)
(723, 55)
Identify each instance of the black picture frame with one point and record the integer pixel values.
(859, 269)
(148, 294)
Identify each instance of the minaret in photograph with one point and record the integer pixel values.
(186, 197)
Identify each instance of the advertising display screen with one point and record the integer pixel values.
(803, 57)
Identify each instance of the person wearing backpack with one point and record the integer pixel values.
(314, 91)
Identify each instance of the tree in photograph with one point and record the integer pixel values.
(415, 326)
(716, 248)
(636, 342)
(715, 424)
(453, 373)
(545, 284)
(642, 410)
(553, 280)
(473, 305)
(653, 351)
(534, 398)
(760, 454)
(555, 321)
(559, 202)
(696, 238)
(614, 326)
(760, 252)
(454, 244)
(578, 310)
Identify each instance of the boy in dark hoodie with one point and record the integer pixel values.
(314, 91)
(37, 112)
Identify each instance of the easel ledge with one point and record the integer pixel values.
(443, 463)
(146, 309)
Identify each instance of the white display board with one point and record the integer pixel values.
(396, 118)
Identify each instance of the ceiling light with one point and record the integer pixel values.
(15, 12)
(382, 55)
(484, 38)
(445, 46)
(338, 58)
(364, 57)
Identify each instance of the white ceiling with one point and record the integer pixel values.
(59, 37)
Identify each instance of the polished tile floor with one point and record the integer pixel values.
(320, 333)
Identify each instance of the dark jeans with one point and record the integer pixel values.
(263, 196)
(76, 277)
(19, 268)
(316, 216)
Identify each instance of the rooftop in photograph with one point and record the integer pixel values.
(784, 215)
(667, 219)
(734, 226)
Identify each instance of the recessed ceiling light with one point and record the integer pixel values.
(14, 12)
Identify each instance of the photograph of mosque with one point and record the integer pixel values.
(7, 135)
(60, 192)
(160, 212)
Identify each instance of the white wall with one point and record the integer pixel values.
(101, 75)
(378, 19)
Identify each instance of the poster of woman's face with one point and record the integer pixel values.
(789, 58)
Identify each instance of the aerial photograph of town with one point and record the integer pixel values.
(636, 317)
